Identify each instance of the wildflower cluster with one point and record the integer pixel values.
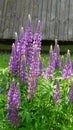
(26, 66)
(14, 103)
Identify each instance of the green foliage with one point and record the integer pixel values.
(39, 113)
(4, 60)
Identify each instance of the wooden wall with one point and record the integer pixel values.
(56, 17)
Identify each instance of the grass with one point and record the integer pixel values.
(4, 60)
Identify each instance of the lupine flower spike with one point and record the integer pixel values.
(41, 67)
(57, 93)
(67, 71)
(12, 61)
(57, 55)
(38, 37)
(51, 66)
(55, 47)
(62, 62)
(32, 82)
(14, 103)
(23, 71)
(28, 40)
(71, 93)
(21, 36)
(16, 38)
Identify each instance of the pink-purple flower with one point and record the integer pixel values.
(14, 102)
(67, 71)
(71, 93)
(57, 93)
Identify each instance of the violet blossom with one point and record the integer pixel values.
(56, 55)
(13, 64)
(57, 93)
(32, 82)
(41, 67)
(67, 71)
(14, 103)
(33, 73)
(51, 67)
(23, 70)
(71, 92)
(15, 58)
(38, 37)
(28, 40)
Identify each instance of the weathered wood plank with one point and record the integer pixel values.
(57, 18)
(35, 13)
(4, 15)
(61, 25)
(7, 19)
(40, 2)
(17, 18)
(20, 16)
(49, 9)
(52, 20)
(65, 28)
(23, 13)
(70, 28)
(68, 19)
(26, 12)
(44, 6)
(1, 15)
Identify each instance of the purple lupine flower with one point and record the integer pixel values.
(21, 36)
(15, 59)
(41, 67)
(32, 82)
(55, 47)
(10, 93)
(37, 39)
(56, 55)
(36, 59)
(10, 98)
(14, 104)
(52, 58)
(51, 53)
(23, 49)
(33, 73)
(32, 85)
(57, 58)
(62, 62)
(51, 67)
(71, 93)
(23, 71)
(57, 93)
(68, 60)
(11, 62)
(67, 71)
(28, 32)
(50, 72)
(16, 38)
(28, 40)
